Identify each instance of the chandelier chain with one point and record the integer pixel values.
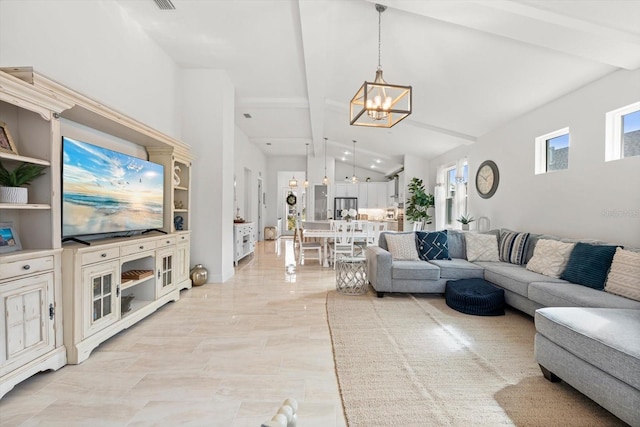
(379, 36)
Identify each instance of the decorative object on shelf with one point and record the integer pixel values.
(384, 103)
(178, 223)
(6, 142)
(418, 203)
(9, 241)
(198, 275)
(178, 204)
(487, 179)
(465, 221)
(176, 177)
(125, 303)
(292, 199)
(348, 214)
(136, 274)
(354, 178)
(11, 182)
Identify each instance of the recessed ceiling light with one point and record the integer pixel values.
(268, 143)
(247, 115)
(378, 161)
(373, 166)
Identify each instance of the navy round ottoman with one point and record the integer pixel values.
(475, 296)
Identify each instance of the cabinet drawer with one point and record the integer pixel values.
(182, 238)
(27, 266)
(167, 241)
(102, 255)
(137, 247)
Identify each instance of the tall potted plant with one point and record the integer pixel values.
(418, 203)
(12, 182)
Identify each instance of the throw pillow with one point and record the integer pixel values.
(482, 247)
(513, 247)
(589, 264)
(550, 257)
(455, 242)
(624, 276)
(432, 245)
(402, 246)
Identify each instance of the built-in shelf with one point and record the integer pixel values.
(25, 206)
(181, 188)
(181, 210)
(132, 283)
(25, 159)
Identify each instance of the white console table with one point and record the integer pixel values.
(244, 240)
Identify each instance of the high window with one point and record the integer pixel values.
(552, 151)
(623, 132)
(456, 193)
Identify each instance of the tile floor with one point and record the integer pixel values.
(223, 355)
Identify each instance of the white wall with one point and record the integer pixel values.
(209, 127)
(343, 170)
(95, 49)
(251, 159)
(593, 198)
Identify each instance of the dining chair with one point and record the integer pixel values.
(305, 246)
(342, 244)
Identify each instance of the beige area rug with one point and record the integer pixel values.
(407, 360)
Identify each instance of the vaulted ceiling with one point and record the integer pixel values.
(473, 64)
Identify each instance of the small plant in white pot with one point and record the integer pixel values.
(12, 182)
(465, 221)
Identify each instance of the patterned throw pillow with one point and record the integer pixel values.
(550, 257)
(589, 264)
(482, 247)
(402, 246)
(624, 276)
(432, 245)
(513, 247)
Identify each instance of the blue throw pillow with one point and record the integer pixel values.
(589, 265)
(432, 245)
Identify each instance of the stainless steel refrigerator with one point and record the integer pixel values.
(340, 203)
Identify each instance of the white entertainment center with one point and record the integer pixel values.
(99, 288)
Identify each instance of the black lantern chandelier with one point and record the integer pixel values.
(378, 103)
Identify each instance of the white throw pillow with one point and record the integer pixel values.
(550, 257)
(482, 247)
(624, 275)
(402, 246)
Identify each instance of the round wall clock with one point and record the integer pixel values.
(487, 179)
(291, 200)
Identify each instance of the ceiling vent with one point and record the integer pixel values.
(165, 4)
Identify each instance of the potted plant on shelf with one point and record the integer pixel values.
(12, 182)
(465, 221)
(418, 203)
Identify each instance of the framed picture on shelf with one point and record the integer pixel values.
(6, 142)
(9, 240)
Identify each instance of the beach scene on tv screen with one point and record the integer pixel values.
(104, 191)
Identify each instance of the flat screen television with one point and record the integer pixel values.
(104, 191)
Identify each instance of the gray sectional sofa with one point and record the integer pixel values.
(584, 336)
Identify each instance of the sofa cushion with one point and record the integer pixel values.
(456, 244)
(512, 246)
(402, 246)
(588, 265)
(458, 269)
(414, 270)
(599, 336)
(624, 276)
(513, 277)
(554, 294)
(550, 257)
(432, 245)
(482, 247)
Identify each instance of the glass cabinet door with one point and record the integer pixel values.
(166, 271)
(102, 285)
